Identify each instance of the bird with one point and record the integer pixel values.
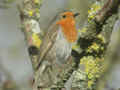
(56, 47)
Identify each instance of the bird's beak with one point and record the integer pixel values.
(76, 14)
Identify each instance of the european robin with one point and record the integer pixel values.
(56, 47)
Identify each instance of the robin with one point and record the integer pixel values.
(56, 47)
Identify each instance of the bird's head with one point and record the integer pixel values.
(65, 16)
(68, 25)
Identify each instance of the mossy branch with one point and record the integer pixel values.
(30, 17)
(94, 40)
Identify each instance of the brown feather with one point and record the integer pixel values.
(48, 42)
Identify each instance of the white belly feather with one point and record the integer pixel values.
(63, 47)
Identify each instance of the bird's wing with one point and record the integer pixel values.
(48, 42)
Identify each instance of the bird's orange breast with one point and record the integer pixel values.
(70, 35)
(69, 30)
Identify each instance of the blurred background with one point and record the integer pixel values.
(15, 63)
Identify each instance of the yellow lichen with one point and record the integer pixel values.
(36, 1)
(36, 40)
(30, 12)
(89, 50)
(83, 30)
(93, 47)
(90, 83)
(102, 48)
(74, 47)
(101, 38)
(93, 10)
(94, 67)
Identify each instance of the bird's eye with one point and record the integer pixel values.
(64, 16)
